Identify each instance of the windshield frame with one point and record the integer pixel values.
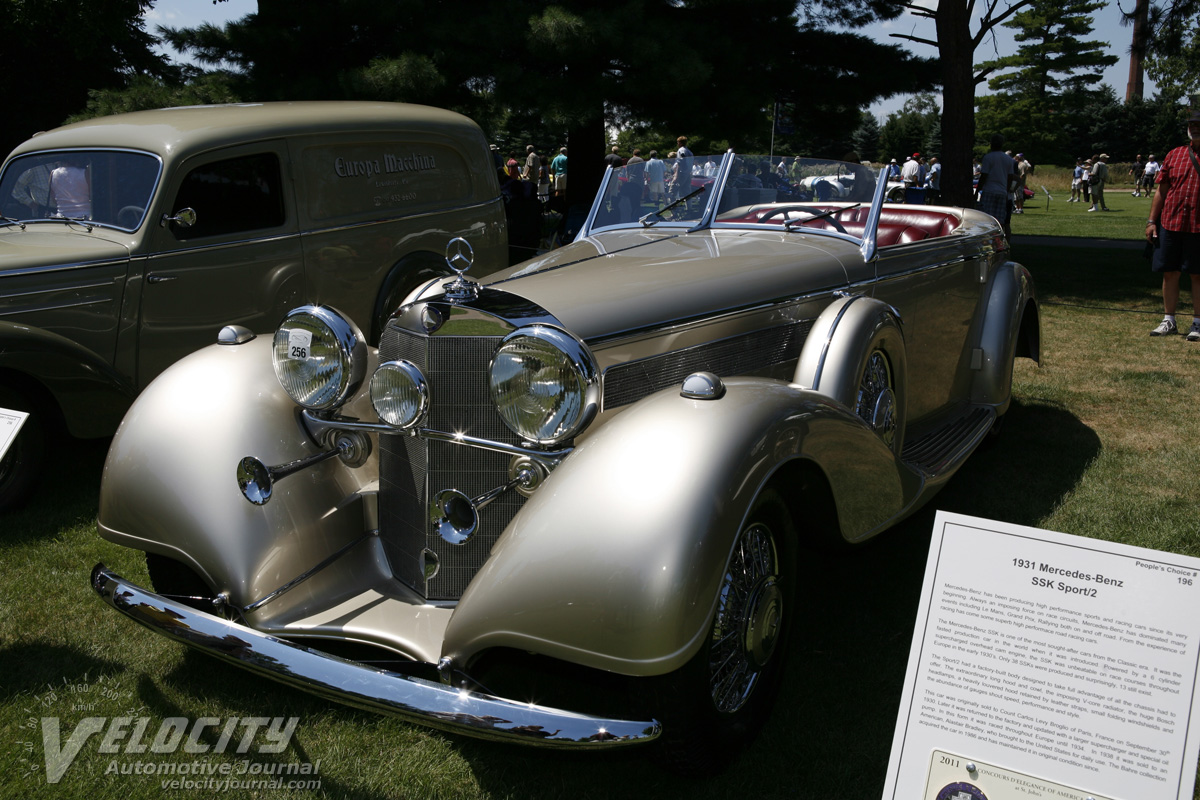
(601, 217)
(20, 162)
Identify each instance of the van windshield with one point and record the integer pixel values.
(105, 187)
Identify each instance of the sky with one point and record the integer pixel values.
(1108, 28)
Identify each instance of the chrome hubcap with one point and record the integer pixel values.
(876, 403)
(749, 615)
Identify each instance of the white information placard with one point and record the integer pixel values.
(1047, 665)
(10, 424)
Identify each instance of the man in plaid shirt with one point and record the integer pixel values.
(1175, 223)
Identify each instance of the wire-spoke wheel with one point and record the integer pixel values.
(876, 401)
(720, 699)
(748, 619)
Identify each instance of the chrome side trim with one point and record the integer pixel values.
(103, 262)
(161, 254)
(398, 218)
(413, 699)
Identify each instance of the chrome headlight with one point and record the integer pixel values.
(545, 384)
(320, 357)
(399, 394)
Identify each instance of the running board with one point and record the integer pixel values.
(941, 451)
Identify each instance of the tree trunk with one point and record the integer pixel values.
(586, 148)
(957, 54)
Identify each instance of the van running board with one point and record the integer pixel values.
(946, 447)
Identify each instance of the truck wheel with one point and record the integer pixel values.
(718, 701)
(22, 465)
(411, 272)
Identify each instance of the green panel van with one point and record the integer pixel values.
(129, 241)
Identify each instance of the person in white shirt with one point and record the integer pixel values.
(69, 191)
(1151, 170)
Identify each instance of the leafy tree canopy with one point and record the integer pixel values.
(56, 50)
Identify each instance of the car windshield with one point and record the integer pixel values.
(105, 187)
(733, 189)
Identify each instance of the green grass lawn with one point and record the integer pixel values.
(1099, 443)
(1057, 217)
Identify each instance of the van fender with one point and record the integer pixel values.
(91, 395)
(170, 483)
(614, 562)
(855, 356)
(1011, 327)
(410, 272)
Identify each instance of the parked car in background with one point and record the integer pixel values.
(128, 241)
(611, 463)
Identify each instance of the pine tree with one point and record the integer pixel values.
(866, 137)
(1055, 57)
(1056, 70)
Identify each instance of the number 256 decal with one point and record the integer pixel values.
(299, 343)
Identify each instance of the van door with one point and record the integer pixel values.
(240, 263)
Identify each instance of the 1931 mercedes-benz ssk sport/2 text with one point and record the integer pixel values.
(609, 462)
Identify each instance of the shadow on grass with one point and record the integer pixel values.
(68, 494)
(1022, 476)
(1093, 276)
(33, 667)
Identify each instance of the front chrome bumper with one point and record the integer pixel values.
(413, 699)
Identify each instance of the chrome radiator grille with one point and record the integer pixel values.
(411, 469)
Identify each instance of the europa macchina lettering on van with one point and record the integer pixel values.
(346, 168)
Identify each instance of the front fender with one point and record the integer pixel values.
(836, 351)
(90, 393)
(170, 482)
(615, 561)
(1011, 327)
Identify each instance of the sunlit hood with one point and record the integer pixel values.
(625, 281)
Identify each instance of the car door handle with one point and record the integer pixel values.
(161, 278)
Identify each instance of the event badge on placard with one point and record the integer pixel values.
(955, 777)
(10, 424)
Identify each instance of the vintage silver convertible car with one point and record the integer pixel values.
(611, 463)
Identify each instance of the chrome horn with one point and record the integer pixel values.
(257, 481)
(456, 516)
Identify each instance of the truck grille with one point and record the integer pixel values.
(411, 469)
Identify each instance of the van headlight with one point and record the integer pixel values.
(320, 357)
(545, 384)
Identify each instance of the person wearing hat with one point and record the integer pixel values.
(1174, 228)
(893, 170)
(1098, 178)
(910, 173)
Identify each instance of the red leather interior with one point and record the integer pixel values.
(897, 224)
